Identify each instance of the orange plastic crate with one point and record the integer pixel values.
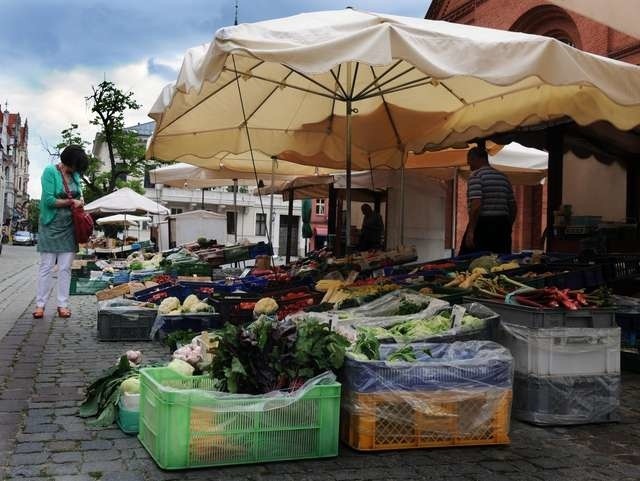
(409, 420)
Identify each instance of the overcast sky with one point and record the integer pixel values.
(52, 51)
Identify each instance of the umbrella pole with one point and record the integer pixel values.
(202, 202)
(348, 161)
(235, 211)
(454, 212)
(289, 226)
(273, 174)
(402, 194)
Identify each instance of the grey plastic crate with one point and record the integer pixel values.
(120, 324)
(566, 400)
(535, 318)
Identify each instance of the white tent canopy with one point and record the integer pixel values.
(124, 200)
(120, 219)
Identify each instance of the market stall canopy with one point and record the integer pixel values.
(124, 200)
(194, 177)
(523, 166)
(121, 219)
(415, 84)
(621, 15)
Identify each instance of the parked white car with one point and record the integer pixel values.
(23, 238)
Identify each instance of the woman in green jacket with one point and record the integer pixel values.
(56, 240)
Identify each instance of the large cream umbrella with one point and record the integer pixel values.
(351, 89)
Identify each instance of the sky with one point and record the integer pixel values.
(53, 51)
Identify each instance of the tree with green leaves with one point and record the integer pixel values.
(126, 153)
(33, 215)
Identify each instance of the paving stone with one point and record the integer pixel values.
(101, 466)
(97, 444)
(60, 446)
(22, 448)
(123, 476)
(66, 468)
(68, 457)
(28, 459)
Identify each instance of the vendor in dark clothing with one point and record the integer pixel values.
(372, 229)
(492, 207)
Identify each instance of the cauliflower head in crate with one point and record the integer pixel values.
(169, 304)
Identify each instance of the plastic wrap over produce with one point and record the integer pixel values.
(451, 394)
(202, 392)
(430, 367)
(570, 351)
(126, 308)
(566, 400)
(437, 323)
(392, 304)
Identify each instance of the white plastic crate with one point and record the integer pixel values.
(566, 351)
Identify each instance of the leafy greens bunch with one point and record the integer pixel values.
(273, 355)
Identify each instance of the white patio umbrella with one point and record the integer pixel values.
(125, 200)
(121, 219)
(351, 89)
(129, 220)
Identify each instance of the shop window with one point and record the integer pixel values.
(261, 224)
(320, 206)
(231, 222)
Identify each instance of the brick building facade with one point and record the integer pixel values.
(541, 18)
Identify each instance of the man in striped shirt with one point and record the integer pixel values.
(492, 207)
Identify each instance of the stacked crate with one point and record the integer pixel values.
(567, 364)
(457, 394)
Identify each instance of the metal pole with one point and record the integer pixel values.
(348, 161)
(235, 211)
(404, 154)
(289, 226)
(273, 176)
(202, 203)
(454, 213)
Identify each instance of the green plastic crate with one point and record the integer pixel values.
(81, 286)
(184, 425)
(191, 269)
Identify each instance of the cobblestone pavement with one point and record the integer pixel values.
(45, 364)
(18, 265)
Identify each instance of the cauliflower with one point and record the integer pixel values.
(181, 367)
(175, 312)
(169, 304)
(131, 385)
(266, 305)
(189, 303)
(201, 307)
(191, 353)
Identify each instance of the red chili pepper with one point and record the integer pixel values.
(525, 301)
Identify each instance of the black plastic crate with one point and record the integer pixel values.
(121, 324)
(618, 267)
(533, 317)
(194, 321)
(566, 400)
(629, 323)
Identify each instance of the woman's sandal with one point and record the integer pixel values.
(64, 312)
(38, 313)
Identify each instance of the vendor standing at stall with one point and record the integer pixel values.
(372, 229)
(492, 207)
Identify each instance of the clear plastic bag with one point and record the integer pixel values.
(460, 393)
